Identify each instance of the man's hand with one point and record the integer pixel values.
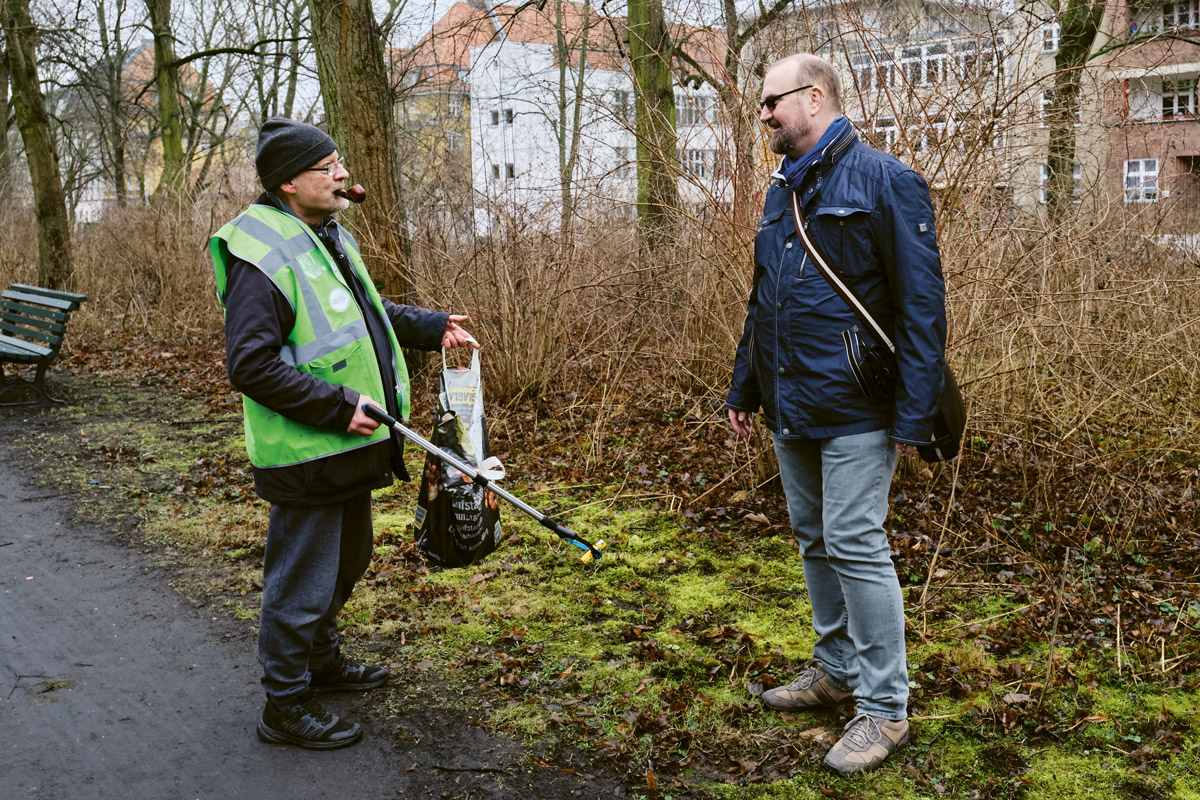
(455, 336)
(905, 449)
(740, 420)
(361, 423)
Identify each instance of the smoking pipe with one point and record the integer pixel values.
(355, 193)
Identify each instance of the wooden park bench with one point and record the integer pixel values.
(32, 324)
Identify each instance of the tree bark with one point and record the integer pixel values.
(650, 53)
(54, 233)
(174, 180)
(5, 156)
(570, 115)
(361, 116)
(1080, 20)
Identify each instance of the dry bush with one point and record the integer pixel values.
(542, 310)
(146, 270)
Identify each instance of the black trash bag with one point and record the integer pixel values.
(458, 523)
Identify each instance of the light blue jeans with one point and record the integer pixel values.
(837, 498)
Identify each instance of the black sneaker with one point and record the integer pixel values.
(343, 675)
(307, 724)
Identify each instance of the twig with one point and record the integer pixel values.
(1062, 586)
(1118, 638)
(469, 769)
(938, 550)
(997, 616)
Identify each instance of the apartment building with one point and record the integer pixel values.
(522, 113)
(1153, 131)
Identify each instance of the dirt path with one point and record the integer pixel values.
(114, 686)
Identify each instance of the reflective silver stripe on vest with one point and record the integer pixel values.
(284, 252)
(347, 238)
(330, 343)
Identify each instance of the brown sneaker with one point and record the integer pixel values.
(866, 741)
(812, 688)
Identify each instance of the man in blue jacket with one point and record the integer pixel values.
(871, 218)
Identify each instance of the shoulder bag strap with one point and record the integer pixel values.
(839, 286)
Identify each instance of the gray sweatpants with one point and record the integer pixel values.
(314, 557)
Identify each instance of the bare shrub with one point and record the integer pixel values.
(541, 309)
(146, 270)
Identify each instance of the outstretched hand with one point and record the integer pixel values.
(456, 335)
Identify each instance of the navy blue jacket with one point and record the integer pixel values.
(872, 218)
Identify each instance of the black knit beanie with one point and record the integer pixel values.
(286, 148)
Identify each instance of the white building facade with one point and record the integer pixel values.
(518, 141)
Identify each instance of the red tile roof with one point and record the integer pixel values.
(448, 43)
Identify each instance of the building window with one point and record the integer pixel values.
(508, 116)
(1162, 17)
(694, 163)
(454, 104)
(1051, 33)
(621, 105)
(924, 66)
(495, 172)
(1076, 187)
(976, 59)
(454, 140)
(1180, 15)
(691, 111)
(1141, 180)
(884, 134)
(495, 117)
(510, 171)
(927, 135)
(873, 71)
(1048, 103)
(1179, 99)
(624, 164)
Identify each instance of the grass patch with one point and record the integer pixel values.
(650, 657)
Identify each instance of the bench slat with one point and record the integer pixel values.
(9, 318)
(53, 302)
(34, 311)
(15, 356)
(55, 293)
(54, 341)
(18, 347)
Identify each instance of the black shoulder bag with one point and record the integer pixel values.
(875, 371)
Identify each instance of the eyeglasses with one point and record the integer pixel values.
(328, 168)
(773, 100)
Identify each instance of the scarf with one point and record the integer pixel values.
(795, 169)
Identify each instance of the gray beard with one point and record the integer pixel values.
(783, 141)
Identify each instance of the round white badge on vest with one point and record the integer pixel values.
(339, 299)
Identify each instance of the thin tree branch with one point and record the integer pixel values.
(243, 51)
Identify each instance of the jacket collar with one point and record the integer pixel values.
(830, 155)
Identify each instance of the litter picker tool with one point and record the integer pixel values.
(590, 551)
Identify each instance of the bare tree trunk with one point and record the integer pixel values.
(173, 182)
(743, 171)
(54, 233)
(650, 53)
(293, 65)
(1080, 20)
(570, 102)
(361, 115)
(5, 156)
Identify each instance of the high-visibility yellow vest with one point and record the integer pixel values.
(330, 339)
